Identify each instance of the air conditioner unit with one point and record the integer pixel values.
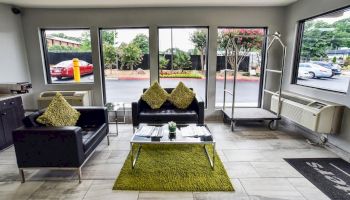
(74, 98)
(318, 116)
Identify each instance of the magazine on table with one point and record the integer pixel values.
(194, 131)
(149, 131)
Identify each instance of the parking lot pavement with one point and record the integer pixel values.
(337, 83)
(131, 90)
(83, 79)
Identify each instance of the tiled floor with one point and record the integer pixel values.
(253, 157)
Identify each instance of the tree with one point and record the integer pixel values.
(163, 62)
(108, 37)
(85, 42)
(182, 60)
(130, 55)
(109, 55)
(141, 40)
(199, 39)
(245, 44)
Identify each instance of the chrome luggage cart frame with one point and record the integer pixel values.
(235, 114)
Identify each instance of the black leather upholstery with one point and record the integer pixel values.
(143, 113)
(69, 146)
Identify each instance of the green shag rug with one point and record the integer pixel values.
(173, 168)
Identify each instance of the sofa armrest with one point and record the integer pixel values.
(92, 116)
(49, 147)
(135, 112)
(200, 109)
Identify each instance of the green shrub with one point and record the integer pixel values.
(179, 75)
(246, 74)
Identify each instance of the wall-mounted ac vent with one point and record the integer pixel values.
(316, 115)
(74, 98)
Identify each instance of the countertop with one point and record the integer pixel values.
(8, 96)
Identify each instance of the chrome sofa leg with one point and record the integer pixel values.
(21, 174)
(79, 174)
(108, 142)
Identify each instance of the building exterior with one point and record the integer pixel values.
(52, 40)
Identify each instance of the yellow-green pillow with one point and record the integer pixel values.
(155, 96)
(59, 113)
(181, 97)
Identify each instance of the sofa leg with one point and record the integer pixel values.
(108, 142)
(79, 174)
(21, 174)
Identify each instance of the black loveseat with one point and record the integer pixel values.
(143, 113)
(38, 146)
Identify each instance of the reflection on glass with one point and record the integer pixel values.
(324, 60)
(248, 75)
(126, 63)
(62, 46)
(183, 57)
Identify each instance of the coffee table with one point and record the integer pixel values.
(179, 139)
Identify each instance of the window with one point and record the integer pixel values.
(60, 48)
(323, 55)
(125, 53)
(183, 57)
(248, 88)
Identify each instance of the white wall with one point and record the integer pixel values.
(13, 60)
(33, 19)
(298, 11)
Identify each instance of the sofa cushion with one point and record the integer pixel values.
(163, 116)
(59, 113)
(181, 96)
(155, 96)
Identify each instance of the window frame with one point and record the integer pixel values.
(263, 59)
(206, 60)
(46, 57)
(100, 41)
(298, 47)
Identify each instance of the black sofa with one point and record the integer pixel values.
(38, 146)
(143, 113)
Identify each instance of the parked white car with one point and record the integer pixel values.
(303, 73)
(316, 71)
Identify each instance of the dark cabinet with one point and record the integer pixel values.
(11, 115)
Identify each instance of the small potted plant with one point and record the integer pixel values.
(110, 106)
(172, 129)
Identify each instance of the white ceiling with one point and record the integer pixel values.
(141, 3)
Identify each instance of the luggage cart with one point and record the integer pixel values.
(235, 114)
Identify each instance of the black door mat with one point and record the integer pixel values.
(330, 175)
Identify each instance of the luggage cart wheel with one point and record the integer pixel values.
(272, 125)
(233, 124)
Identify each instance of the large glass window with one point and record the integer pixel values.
(248, 88)
(323, 55)
(61, 47)
(183, 57)
(126, 63)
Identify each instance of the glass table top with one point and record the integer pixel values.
(167, 138)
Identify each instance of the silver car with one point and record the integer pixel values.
(316, 71)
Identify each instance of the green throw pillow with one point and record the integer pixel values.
(181, 97)
(59, 113)
(155, 96)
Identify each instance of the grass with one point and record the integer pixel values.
(173, 168)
